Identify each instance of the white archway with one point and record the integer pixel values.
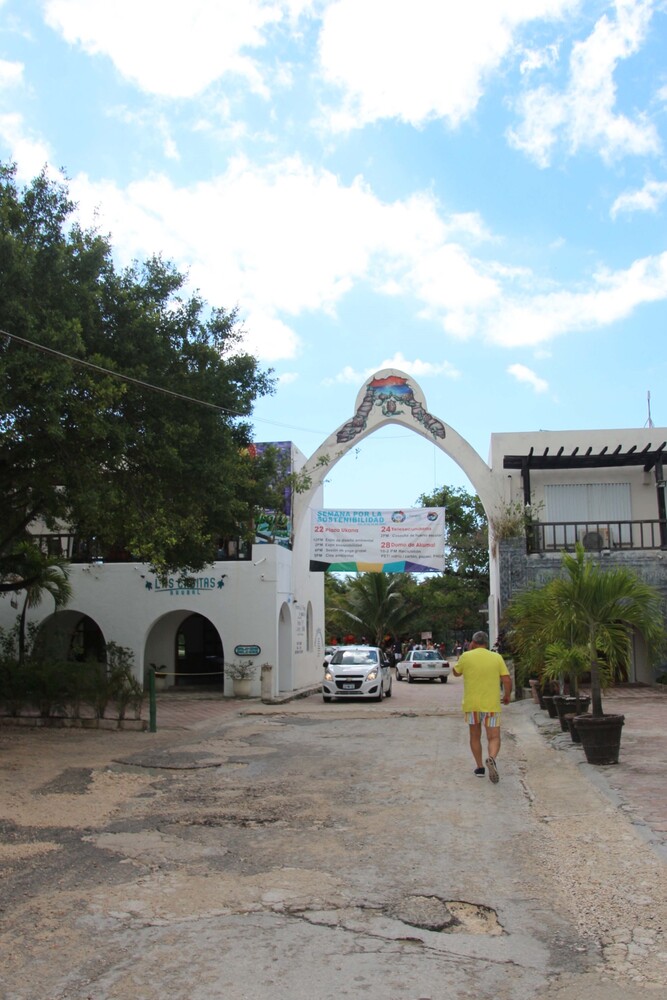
(392, 397)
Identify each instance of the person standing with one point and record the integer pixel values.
(483, 672)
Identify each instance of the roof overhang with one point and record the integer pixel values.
(649, 457)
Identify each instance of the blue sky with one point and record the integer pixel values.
(473, 193)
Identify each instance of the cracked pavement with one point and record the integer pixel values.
(298, 853)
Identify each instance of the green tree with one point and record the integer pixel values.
(335, 592)
(586, 607)
(466, 531)
(114, 461)
(374, 605)
(42, 575)
(450, 603)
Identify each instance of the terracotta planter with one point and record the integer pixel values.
(600, 737)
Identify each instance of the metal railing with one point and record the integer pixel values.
(84, 550)
(595, 536)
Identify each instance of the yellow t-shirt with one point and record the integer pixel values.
(481, 670)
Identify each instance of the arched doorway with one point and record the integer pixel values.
(285, 649)
(199, 655)
(70, 635)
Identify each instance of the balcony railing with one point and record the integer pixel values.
(595, 536)
(83, 550)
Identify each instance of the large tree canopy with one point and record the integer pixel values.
(161, 476)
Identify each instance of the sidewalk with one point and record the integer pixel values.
(638, 783)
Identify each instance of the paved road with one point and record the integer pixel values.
(321, 851)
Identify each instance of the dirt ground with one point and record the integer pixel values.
(304, 854)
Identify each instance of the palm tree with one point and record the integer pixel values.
(376, 604)
(41, 574)
(601, 608)
(587, 608)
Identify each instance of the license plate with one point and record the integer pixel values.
(349, 687)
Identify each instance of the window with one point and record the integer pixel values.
(592, 507)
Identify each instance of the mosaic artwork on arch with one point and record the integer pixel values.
(394, 395)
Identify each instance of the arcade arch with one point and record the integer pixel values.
(391, 397)
(188, 647)
(73, 635)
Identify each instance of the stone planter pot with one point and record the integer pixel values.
(242, 687)
(568, 704)
(534, 690)
(600, 737)
(548, 700)
(572, 727)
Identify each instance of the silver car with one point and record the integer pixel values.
(422, 665)
(357, 672)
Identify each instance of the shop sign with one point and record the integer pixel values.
(247, 650)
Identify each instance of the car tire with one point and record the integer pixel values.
(409, 678)
(380, 695)
(388, 694)
(398, 675)
(326, 697)
(443, 680)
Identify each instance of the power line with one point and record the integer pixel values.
(136, 381)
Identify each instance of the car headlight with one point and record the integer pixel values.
(328, 676)
(372, 675)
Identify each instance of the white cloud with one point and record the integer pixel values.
(647, 199)
(429, 59)
(11, 74)
(287, 378)
(30, 153)
(417, 368)
(613, 296)
(287, 239)
(523, 374)
(170, 48)
(584, 115)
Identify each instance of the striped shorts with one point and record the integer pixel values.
(487, 718)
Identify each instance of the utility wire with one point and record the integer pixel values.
(136, 381)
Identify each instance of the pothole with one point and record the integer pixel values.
(449, 916)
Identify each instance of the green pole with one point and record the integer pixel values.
(152, 724)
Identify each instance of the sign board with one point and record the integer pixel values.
(378, 541)
(247, 650)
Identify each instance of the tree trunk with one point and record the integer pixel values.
(22, 631)
(596, 689)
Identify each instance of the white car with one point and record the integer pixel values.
(357, 672)
(423, 665)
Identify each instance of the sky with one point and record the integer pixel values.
(473, 193)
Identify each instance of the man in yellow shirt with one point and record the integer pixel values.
(483, 672)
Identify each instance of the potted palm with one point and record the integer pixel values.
(603, 608)
(242, 674)
(567, 660)
(596, 611)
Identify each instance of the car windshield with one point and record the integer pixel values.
(355, 657)
(426, 654)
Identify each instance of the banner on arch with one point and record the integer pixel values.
(378, 541)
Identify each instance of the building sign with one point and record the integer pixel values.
(378, 541)
(247, 650)
(275, 524)
(185, 585)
